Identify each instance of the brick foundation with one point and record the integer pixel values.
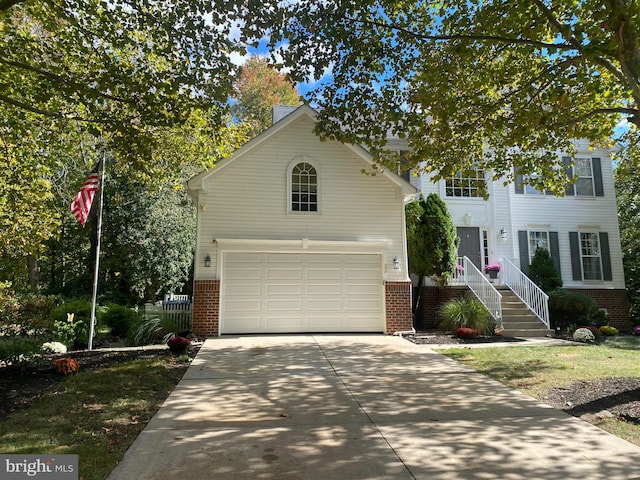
(206, 308)
(615, 302)
(431, 299)
(398, 306)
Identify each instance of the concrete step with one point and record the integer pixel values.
(528, 333)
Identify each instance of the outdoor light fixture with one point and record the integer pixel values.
(468, 218)
(207, 261)
(396, 264)
(503, 234)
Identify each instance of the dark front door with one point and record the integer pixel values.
(470, 244)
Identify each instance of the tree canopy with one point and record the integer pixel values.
(258, 88)
(494, 84)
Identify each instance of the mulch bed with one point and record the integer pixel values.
(21, 384)
(439, 338)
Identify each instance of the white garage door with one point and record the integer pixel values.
(282, 292)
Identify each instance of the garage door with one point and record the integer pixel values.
(282, 293)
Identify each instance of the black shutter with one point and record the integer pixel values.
(523, 243)
(597, 176)
(519, 179)
(605, 256)
(555, 251)
(570, 190)
(576, 262)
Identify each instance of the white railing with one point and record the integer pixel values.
(527, 291)
(466, 273)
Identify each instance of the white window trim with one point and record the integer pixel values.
(531, 254)
(314, 164)
(582, 257)
(455, 197)
(577, 177)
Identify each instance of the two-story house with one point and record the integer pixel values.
(580, 229)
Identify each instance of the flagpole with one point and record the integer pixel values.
(97, 262)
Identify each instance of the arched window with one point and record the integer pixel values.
(304, 188)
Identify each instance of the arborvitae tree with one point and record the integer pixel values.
(543, 272)
(441, 240)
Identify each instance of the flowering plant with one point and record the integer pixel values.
(66, 365)
(494, 267)
(178, 344)
(460, 268)
(467, 333)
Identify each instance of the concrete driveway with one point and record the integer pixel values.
(360, 407)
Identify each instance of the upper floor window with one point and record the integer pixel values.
(583, 170)
(466, 186)
(304, 188)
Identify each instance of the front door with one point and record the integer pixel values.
(470, 244)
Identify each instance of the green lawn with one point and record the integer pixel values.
(535, 370)
(95, 414)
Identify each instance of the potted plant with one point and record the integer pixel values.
(492, 270)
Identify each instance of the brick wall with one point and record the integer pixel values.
(206, 308)
(398, 306)
(431, 299)
(616, 303)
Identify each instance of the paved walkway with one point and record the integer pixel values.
(360, 407)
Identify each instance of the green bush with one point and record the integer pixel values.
(119, 319)
(73, 333)
(543, 272)
(465, 312)
(18, 347)
(567, 307)
(25, 314)
(152, 329)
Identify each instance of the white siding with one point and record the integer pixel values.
(514, 212)
(247, 199)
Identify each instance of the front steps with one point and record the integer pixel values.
(517, 319)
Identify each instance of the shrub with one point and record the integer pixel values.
(467, 333)
(24, 314)
(151, 329)
(178, 344)
(54, 347)
(465, 312)
(597, 334)
(636, 330)
(73, 331)
(66, 365)
(584, 335)
(542, 271)
(15, 348)
(608, 331)
(567, 307)
(119, 319)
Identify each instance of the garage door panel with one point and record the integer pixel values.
(363, 274)
(325, 289)
(283, 274)
(282, 323)
(244, 274)
(309, 292)
(242, 289)
(284, 289)
(232, 305)
(324, 274)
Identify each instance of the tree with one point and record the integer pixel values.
(493, 84)
(432, 241)
(543, 272)
(441, 238)
(628, 198)
(257, 90)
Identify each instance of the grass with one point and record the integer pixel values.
(95, 414)
(535, 370)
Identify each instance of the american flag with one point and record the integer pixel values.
(81, 205)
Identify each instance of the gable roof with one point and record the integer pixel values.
(198, 182)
